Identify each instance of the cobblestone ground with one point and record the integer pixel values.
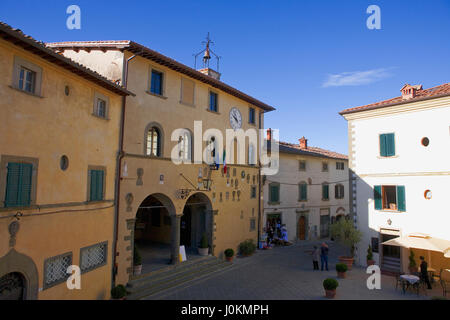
(286, 273)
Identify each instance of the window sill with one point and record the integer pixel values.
(390, 211)
(156, 95)
(387, 157)
(26, 92)
(273, 203)
(187, 104)
(214, 112)
(325, 199)
(302, 201)
(252, 124)
(98, 117)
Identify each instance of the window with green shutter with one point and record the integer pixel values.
(274, 193)
(96, 185)
(325, 192)
(303, 191)
(377, 197)
(390, 198)
(387, 145)
(18, 184)
(401, 202)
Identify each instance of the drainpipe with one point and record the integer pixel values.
(259, 183)
(120, 156)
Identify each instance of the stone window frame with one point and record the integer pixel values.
(99, 96)
(341, 187)
(217, 101)
(88, 195)
(62, 280)
(161, 137)
(250, 108)
(4, 160)
(251, 192)
(252, 224)
(99, 265)
(302, 183)
(20, 62)
(149, 84)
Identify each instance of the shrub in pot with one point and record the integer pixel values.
(330, 286)
(229, 254)
(370, 260)
(137, 261)
(345, 233)
(203, 249)
(247, 248)
(341, 269)
(412, 263)
(118, 292)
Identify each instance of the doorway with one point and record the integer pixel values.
(390, 255)
(12, 287)
(302, 228)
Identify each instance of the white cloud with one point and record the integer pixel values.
(356, 78)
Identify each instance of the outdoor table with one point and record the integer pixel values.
(409, 280)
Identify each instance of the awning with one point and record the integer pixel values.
(421, 241)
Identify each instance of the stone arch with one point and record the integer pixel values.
(15, 262)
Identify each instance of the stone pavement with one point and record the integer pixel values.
(286, 273)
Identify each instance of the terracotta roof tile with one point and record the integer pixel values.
(286, 147)
(425, 94)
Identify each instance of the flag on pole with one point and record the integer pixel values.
(224, 162)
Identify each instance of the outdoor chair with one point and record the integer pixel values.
(398, 281)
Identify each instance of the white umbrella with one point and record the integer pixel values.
(447, 253)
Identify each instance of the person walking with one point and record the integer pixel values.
(424, 272)
(316, 257)
(324, 256)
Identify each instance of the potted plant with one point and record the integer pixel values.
(247, 248)
(137, 262)
(370, 260)
(330, 286)
(412, 263)
(203, 249)
(229, 254)
(118, 292)
(344, 232)
(341, 269)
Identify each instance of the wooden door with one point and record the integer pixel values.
(301, 228)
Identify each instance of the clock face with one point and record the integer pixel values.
(235, 119)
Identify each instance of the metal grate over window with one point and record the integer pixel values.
(55, 269)
(93, 257)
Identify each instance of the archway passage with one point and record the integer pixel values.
(197, 220)
(12, 287)
(152, 233)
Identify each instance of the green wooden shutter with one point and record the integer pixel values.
(377, 198)
(383, 151)
(401, 202)
(96, 192)
(274, 193)
(390, 145)
(304, 195)
(18, 185)
(325, 192)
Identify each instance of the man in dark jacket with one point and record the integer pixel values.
(324, 256)
(424, 272)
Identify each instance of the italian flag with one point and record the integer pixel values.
(224, 162)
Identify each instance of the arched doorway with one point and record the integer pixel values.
(302, 228)
(152, 232)
(197, 219)
(12, 287)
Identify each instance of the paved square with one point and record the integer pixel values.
(286, 273)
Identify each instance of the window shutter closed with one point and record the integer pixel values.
(18, 184)
(401, 203)
(96, 193)
(390, 145)
(383, 151)
(377, 197)
(274, 194)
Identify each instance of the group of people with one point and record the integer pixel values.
(276, 233)
(322, 255)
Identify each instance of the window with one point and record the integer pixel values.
(374, 242)
(387, 145)
(96, 184)
(302, 191)
(18, 184)
(274, 193)
(55, 270)
(184, 146)
(339, 191)
(325, 191)
(156, 85)
(253, 192)
(340, 165)
(211, 150)
(251, 155)
(252, 224)
(27, 80)
(324, 166)
(153, 142)
(187, 91)
(302, 165)
(390, 198)
(101, 108)
(251, 116)
(93, 257)
(213, 101)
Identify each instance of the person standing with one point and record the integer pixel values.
(324, 256)
(316, 257)
(424, 272)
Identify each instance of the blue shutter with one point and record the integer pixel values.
(401, 202)
(377, 197)
(390, 145)
(18, 185)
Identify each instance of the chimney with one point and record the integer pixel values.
(409, 91)
(303, 143)
(269, 134)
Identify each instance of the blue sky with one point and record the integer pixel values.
(309, 59)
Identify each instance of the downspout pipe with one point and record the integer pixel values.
(259, 182)
(120, 156)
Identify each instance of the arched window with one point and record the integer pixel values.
(185, 146)
(211, 150)
(154, 142)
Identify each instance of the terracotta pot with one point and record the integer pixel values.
(137, 270)
(370, 262)
(342, 275)
(348, 261)
(330, 294)
(229, 259)
(203, 251)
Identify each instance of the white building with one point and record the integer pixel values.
(310, 191)
(399, 158)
